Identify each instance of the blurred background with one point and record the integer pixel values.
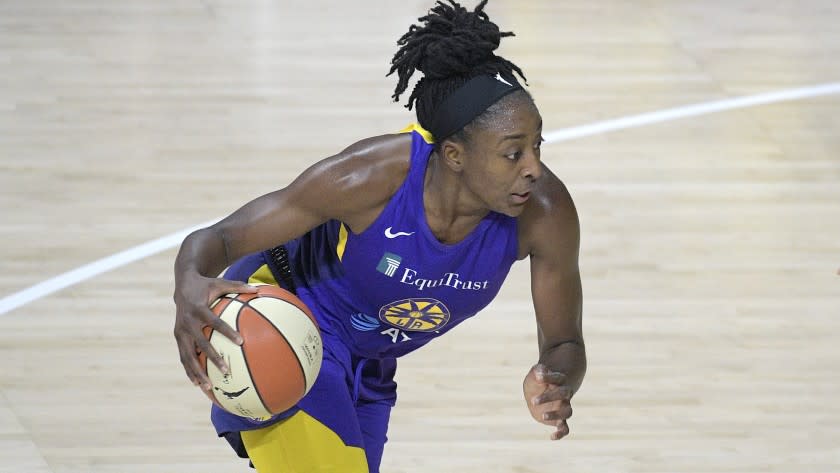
(708, 254)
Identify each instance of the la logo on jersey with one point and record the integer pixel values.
(415, 315)
(366, 323)
(403, 316)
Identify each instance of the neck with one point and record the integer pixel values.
(452, 210)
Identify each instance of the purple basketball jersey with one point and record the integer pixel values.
(395, 287)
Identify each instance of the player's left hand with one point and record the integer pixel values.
(548, 398)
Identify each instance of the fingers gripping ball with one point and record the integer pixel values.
(279, 360)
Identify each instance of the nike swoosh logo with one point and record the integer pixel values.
(502, 79)
(388, 233)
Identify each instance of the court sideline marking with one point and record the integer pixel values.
(88, 271)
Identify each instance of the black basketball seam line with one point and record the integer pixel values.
(300, 365)
(212, 330)
(247, 365)
(308, 317)
(270, 296)
(219, 315)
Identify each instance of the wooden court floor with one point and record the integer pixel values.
(709, 243)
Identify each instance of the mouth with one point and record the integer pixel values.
(521, 198)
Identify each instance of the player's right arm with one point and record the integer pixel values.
(352, 186)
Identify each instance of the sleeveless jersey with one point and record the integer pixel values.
(394, 287)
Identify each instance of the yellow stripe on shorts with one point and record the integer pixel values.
(301, 444)
(262, 275)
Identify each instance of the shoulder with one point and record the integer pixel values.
(549, 223)
(358, 181)
(380, 160)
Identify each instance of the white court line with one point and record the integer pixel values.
(690, 111)
(130, 255)
(96, 268)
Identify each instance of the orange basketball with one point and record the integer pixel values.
(279, 360)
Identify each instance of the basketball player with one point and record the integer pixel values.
(393, 242)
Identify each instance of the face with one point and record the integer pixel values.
(501, 160)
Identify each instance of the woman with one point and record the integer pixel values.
(393, 242)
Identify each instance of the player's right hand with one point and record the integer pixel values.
(193, 295)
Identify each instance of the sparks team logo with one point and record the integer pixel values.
(415, 315)
(389, 264)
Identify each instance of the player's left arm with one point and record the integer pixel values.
(551, 230)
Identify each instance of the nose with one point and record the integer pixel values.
(532, 169)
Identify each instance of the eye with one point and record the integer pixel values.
(514, 156)
(539, 143)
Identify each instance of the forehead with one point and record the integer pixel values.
(515, 113)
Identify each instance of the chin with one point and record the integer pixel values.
(512, 210)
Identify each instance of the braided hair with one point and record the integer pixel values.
(451, 47)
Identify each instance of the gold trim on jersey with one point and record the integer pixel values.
(427, 136)
(342, 241)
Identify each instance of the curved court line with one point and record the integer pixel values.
(96, 268)
(130, 255)
(690, 111)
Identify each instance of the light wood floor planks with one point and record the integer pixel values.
(709, 247)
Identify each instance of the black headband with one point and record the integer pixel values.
(469, 101)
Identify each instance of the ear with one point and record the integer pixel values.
(453, 154)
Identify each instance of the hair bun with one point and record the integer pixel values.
(465, 41)
(455, 40)
(450, 42)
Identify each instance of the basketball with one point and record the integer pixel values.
(279, 360)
